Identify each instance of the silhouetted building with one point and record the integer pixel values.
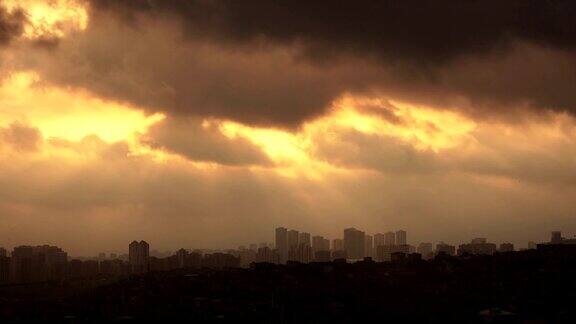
(531, 245)
(267, 255)
(139, 254)
(322, 256)
(354, 243)
(443, 248)
(425, 249)
(317, 244)
(249, 256)
(368, 246)
(339, 254)
(181, 256)
(389, 238)
(301, 253)
(379, 239)
(3, 252)
(556, 237)
(337, 245)
(37, 263)
(281, 243)
(477, 246)
(304, 238)
(506, 247)
(292, 238)
(4, 269)
(401, 237)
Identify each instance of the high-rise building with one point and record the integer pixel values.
(282, 243)
(401, 237)
(477, 246)
(506, 247)
(337, 245)
(292, 238)
(556, 237)
(368, 246)
(389, 238)
(445, 249)
(379, 239)
(425, 249)
(317, 244)
(37, 263)
(304, 238)
(354, 243)
(139, 256)
(267, 255)
(181, 256)
(4, 269)
(325, 244)
(3, 252)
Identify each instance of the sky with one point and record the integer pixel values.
(208, 123)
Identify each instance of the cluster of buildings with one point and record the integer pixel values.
(48, 263)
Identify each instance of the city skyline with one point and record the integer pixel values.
(206, 123)
(336, 243)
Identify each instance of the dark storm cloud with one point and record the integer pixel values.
(10, 24)
(283, 62)
(425, 31)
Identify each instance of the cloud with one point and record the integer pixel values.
(21, 137)
(420, 31)
(203, 143)
(11, 24)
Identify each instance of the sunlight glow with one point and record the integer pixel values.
(50, 19)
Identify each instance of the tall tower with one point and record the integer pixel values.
(389, 238)
(292, 238)
(556, 237)
(282, 243)
(304, 238)
(401, 237)
(354, 243)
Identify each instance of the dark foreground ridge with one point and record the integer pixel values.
(532, 286)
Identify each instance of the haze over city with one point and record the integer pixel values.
(208, 124)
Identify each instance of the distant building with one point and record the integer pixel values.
(425, 250)
(319, 244)
(282, 243)
(379, 239)
(301, 253)
(354, 243)
(37, 263)
(443, 248)
(368, 246)
(267, 255)
(532, 245)
(556, 237)
(139, 257)
(254, 247)
(506, 247)
(304, 238)
(3, 252)
(339, 254)
(181, 256)
(400, 237)
(4, 269)
(389, 238)
(337, 245)
(477, 246)
(293, 236)
(322, 256)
